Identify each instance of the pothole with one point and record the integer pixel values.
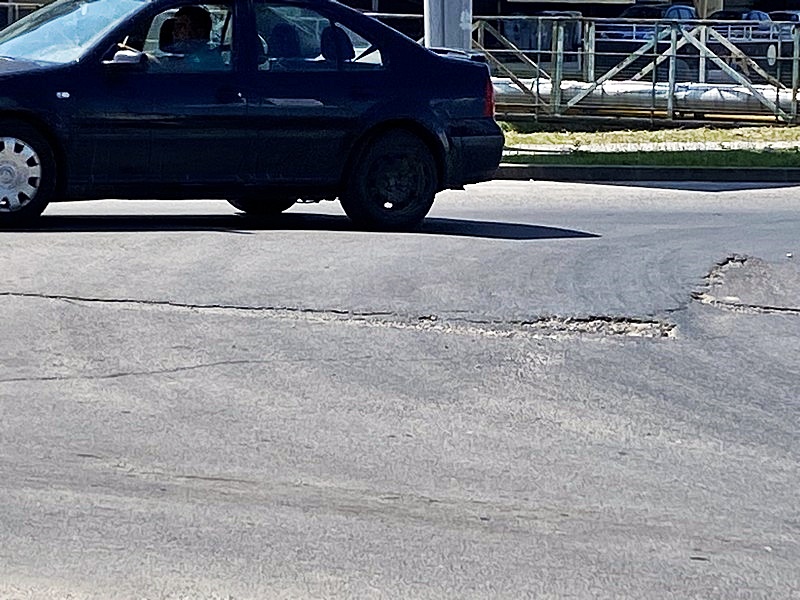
(742, 283)
(544, 327)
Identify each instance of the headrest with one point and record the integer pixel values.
(336, 45)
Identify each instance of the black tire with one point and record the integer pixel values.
(392, 183)
(27, 173)
(262, 207)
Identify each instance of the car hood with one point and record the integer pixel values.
(16, 65)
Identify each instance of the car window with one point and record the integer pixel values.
(190, 38)
(293, 38)
(65, 30)
(757, 15)
(684, 14)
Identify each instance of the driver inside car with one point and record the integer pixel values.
(190, 37)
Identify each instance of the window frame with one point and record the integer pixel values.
(326, 14)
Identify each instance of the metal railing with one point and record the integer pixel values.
(558, 66)
(13, 11)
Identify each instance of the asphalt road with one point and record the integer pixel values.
(551, 391)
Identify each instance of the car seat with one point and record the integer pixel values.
(336, 45)
(284, 42)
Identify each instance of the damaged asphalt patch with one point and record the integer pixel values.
(749, 284)
(738, 283)
(546, 326)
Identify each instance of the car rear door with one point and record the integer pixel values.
(310, 87)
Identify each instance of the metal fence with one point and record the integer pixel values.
(12, 11)
(568, 65)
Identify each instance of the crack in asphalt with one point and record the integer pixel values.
(195, 367)
(120, 374)
(741, 307)
(546, 326)
(716, 278)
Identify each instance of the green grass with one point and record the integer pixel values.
(581, 136)
(578, 135)
(716, 158)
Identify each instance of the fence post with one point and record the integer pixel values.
(673, 55)
(558, 69)
(540, 23)
(704, 43)
(588, 51)
(795, 69)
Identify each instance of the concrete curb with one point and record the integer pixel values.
(627, 173)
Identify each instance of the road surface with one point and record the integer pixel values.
(550, 391)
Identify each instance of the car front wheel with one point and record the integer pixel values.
(27, 173)
(392, 183)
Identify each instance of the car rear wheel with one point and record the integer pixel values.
(263, 207)
(27, 173)
(392, 183)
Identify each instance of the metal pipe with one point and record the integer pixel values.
(617, 97)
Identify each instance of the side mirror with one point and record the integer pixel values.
(130, 58)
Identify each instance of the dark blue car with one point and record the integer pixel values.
(259, 102)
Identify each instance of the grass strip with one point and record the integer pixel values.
(577, 137)
(712, 158)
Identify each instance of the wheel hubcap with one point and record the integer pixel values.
(20, 174)
(397, 183)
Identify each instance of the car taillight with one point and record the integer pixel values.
(489, 102)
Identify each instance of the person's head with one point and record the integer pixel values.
(192, 23)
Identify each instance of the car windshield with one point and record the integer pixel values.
(63, 31)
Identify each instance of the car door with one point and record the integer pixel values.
(307, 94)
(198, 123)
(170, 120)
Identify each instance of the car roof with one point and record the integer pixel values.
(651, 11)
(645, 10)
(739, 14)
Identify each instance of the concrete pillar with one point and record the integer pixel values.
(706, 7)
(448, 24)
